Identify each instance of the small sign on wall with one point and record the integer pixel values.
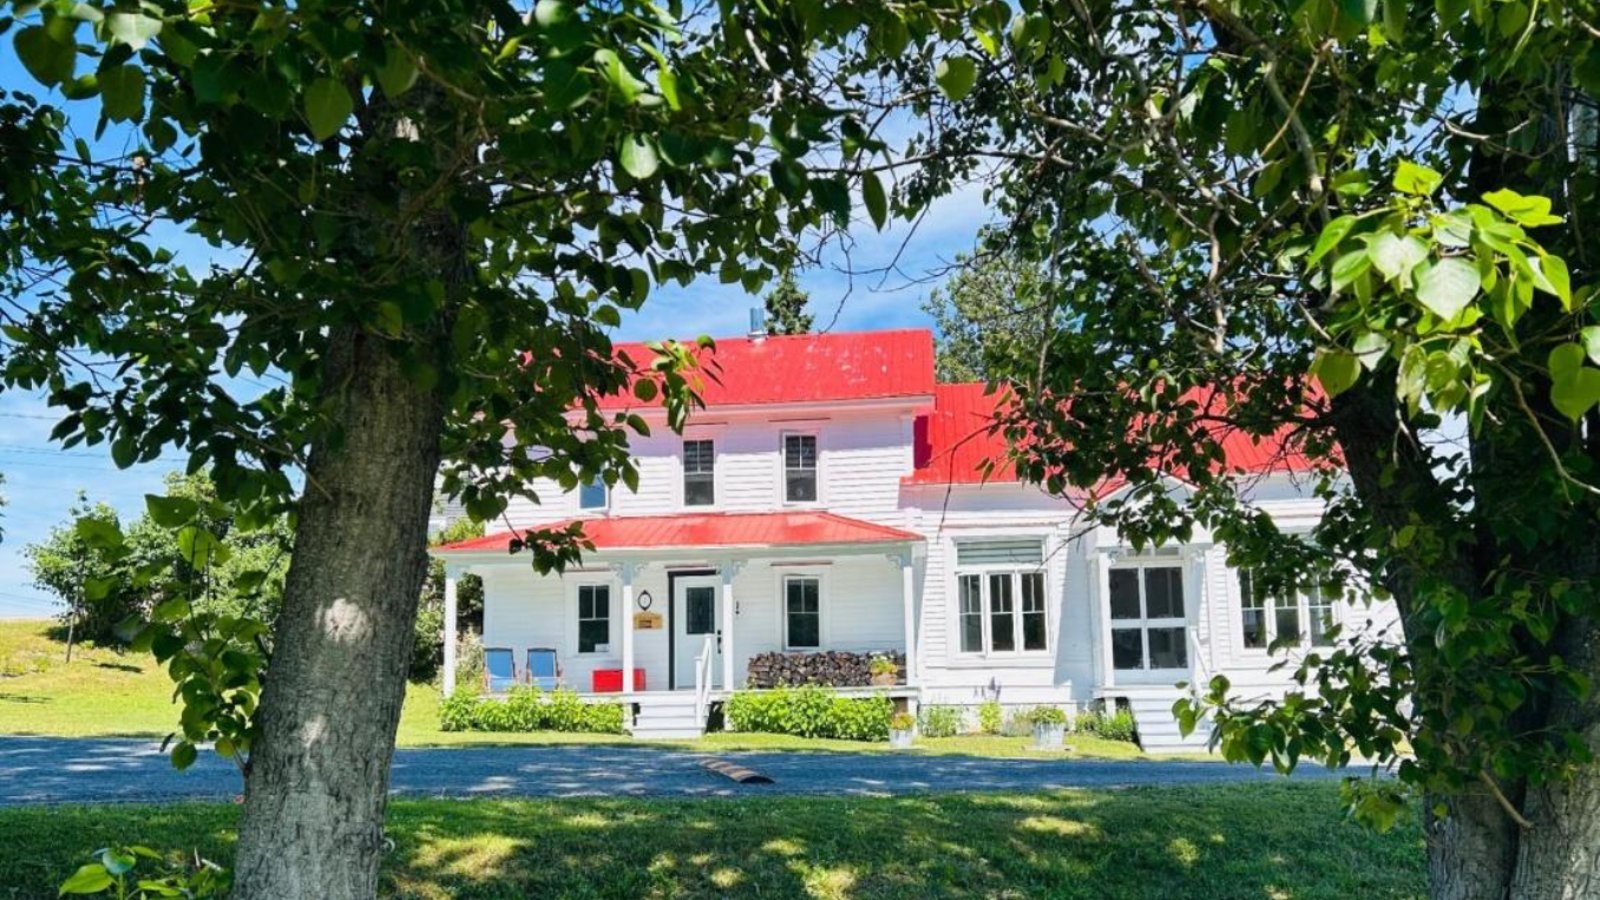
(647, 621)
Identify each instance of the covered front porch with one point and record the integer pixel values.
(685, 602)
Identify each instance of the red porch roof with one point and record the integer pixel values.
(781, 529)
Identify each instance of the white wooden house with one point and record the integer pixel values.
(829, 498)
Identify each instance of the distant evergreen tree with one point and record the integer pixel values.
(786, 307)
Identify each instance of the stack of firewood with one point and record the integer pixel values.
(830, 668)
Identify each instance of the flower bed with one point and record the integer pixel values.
(529, 709)
(810, 712)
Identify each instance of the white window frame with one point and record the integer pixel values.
(605, 503)
(1303, 608)
(683, 473)
(613, 598)
(986, 603)
(822, 610)
(1144, 623)
(783, 465)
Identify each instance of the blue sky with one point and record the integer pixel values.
(42, 480)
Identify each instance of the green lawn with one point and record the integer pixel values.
(1255, 841)
(103, 693)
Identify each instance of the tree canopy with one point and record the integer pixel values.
(786, 306)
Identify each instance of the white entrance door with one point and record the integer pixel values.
(696, 615)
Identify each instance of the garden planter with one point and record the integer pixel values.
(900, 739)
(1048, 736)
(885, 679)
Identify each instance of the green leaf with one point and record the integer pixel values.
(1370, 348)
(91, 878)
(1554, 278)
(183, 755)
(550, 13)
(645, 390)
(1564, 359)
(398, 72)
(47, 59)
(1447, 286)
(956, 75)
(98, 533)
(122, 93)
(131, 28)
(1530, 211)
(1591, 342)
(1577, 392)
(170, 512)
(1394, 19)
(876, 200)
(95, 589)
(638, 156)
(615, 72)
(1411, 178)
(1337, 370)
(328, 106)
(1350, 266)
(1330, 238)
(1395, 256)
(197, 546)
(668, 82)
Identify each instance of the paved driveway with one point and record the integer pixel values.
(83, 770)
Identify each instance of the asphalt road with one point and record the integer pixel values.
(87, 770)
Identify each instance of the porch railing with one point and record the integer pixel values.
(702, 679)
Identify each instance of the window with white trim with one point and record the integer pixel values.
(594, 618)
(802, 615)
(699, 473)
(592, 495)
(1149, 621)
(799, 468)
(1303, 617)
(1000, 589)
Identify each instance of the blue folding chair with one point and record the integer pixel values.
(499, 669)
(543, 669)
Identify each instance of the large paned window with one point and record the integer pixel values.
(592, 495)
(1305, 618)
(799, 468)
(802, 621)
(699, 473)
(1149, 624)
(1000, 590)
(594, 618)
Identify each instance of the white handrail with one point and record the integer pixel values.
(702, 679)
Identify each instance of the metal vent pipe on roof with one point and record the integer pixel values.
(758, 322)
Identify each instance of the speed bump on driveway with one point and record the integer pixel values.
(734, 771)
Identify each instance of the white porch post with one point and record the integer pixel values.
(728, 570)
(908, 603)
(1103, 562)
(451, 576)
(627, 571)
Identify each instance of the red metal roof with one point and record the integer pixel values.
(954, 440)
(807, 368)
(781, 529)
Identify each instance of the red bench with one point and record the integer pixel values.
(609, 681)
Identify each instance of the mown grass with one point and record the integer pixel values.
(106, 693)
(1244, 841)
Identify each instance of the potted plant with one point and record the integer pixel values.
(884, 671)
(901, 728)
(1049, 727)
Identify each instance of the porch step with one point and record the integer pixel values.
(1158, 730)
(667, 716)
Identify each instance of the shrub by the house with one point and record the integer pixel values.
(990, 717)
(810, 712)
(1113, 726)
(529, 709)
(941, 721)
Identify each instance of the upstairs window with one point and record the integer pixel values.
(699, 473)
(594, 618)
(592, 495)
(1302, 617)
(799, 468)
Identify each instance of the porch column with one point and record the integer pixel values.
(451, 576)
(908, 604)
(1103, 560)
(728, 570)
(627, 571)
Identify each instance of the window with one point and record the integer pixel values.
(802, 613)
(592, 495)
(701, 610)
(799, 468)
(699, 478)
(1002, 607)
(594, 618)
(1305, 617)
(1148, 625)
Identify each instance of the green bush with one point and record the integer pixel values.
(941, 721)
(1046, 715)
(810, 712)
(529, 709)
(1115, 726)
(990, 717)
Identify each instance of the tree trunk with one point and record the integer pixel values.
(318, 779)
(1472, 848)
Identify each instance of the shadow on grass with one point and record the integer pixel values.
(1236, 841)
